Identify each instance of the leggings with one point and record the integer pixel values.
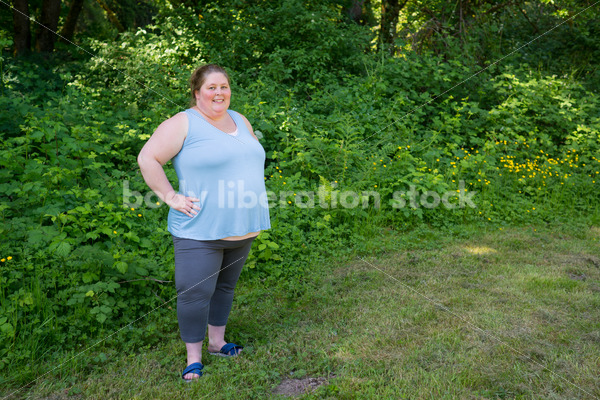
(206, 272)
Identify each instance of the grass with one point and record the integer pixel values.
(465, 313)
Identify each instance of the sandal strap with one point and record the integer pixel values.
(229, 347)
(194, 368)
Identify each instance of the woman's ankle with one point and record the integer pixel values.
(194, 352)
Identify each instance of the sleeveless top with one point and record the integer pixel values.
(226, 173)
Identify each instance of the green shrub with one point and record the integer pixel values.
(335, 119)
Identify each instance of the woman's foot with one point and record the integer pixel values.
(228, 350)
(192, 372)
(216, 346)
(194, 358)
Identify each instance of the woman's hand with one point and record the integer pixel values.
(182, 203)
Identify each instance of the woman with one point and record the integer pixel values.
(221, 206)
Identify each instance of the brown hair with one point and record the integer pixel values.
(199, 76)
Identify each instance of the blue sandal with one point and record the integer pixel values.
(194, 368)
(229, 350)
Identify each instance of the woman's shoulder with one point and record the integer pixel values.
(176, 125)
(245, 121)
(237, 114)
(180, 115)
(180, 119)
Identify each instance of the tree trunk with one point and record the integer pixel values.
(360, 11)
(354, 10)
(47, 33)
(68, 29)
(21, 27)
(111, 16)
(390, 10)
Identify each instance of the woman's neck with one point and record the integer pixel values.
(211, 115)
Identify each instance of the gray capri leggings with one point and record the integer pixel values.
(206, 272)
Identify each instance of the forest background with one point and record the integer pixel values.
(377, 108)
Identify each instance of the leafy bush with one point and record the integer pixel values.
(80, 261)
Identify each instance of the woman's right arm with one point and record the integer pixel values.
(163, 145)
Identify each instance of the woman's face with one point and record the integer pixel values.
(214, 95)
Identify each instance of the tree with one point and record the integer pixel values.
(49, 24)
(123, 15)
(46, 32)
(68, 30)
(111, 16)
(21, 28)
(360, 11)
(390, 10)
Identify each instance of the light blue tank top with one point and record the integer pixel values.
(227, 174)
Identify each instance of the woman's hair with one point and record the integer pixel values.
(199, 76)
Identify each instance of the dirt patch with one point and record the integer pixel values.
(577, 277)
(572, 260)
(297, 387)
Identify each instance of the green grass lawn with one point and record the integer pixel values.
(461, 313)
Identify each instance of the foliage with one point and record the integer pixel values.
(564, 33)
(364, 134)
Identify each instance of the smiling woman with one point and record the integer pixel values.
(211, 147)
(211, 95)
